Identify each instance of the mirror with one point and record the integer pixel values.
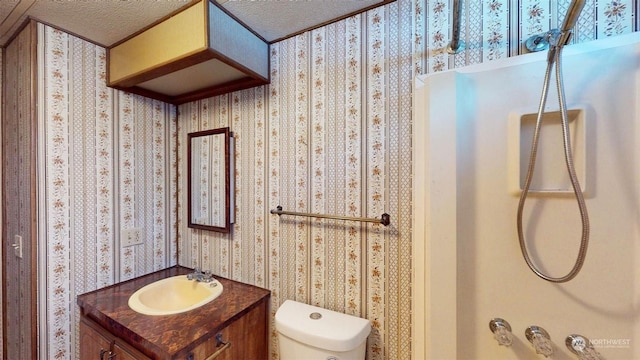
(210, 179)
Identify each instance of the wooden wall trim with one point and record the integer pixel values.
(3, 200)
(33, 188)
(30, 248)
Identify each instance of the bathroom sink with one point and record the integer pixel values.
(174, 295)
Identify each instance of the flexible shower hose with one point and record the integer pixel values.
(554, 57)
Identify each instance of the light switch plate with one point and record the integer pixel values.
(17, 246)
(131, 237)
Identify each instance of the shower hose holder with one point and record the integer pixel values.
(553, 38)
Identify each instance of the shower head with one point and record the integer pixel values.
(572, 15)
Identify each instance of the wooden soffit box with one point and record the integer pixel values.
(198, 52)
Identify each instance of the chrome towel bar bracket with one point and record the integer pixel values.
(385, 219)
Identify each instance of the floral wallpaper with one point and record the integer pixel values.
(106, 162)
(494, 29)
(330, 134)
(315, 140)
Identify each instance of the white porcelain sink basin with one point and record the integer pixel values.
(174, 295)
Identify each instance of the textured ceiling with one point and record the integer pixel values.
(106, 22)
(276, 19)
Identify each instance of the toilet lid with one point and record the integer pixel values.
(321, 328)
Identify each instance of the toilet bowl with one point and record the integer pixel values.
(309, 332)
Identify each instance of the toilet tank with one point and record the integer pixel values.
(310, 332)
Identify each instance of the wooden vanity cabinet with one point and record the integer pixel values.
(98, 343)
(233, 326)
(243, 338)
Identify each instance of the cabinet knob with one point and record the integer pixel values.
(219, 341)
(109, 354)
(220, 344)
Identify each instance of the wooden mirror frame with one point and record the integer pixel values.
(228, 179)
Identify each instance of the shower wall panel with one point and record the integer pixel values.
(477, 243)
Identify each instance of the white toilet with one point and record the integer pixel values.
(307, 332)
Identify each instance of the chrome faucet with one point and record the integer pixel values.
(582, 347)
(501, 331)
(200, 276)
(540, 340)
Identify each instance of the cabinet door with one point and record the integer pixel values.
(247, 337)
(96, 343)
(93, 340)
(124, 351)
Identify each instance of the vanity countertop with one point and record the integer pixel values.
(168, 336)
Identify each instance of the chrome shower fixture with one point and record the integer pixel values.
(456, 45)
(582, 347)
(570, 19)
(501, 331)
(557, 37)
(540, 340)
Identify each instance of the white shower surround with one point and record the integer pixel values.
(468, 267)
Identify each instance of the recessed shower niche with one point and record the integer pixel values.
(550, 176)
